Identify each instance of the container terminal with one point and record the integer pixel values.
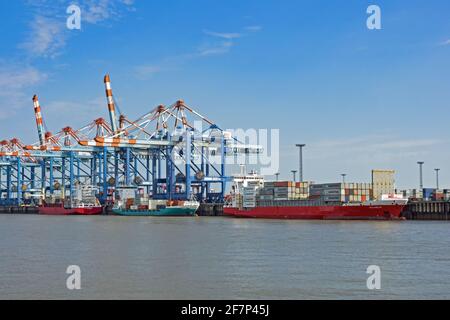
(172, 153)
(164, 162)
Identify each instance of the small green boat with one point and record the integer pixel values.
(187, 208)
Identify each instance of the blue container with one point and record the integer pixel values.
(428, 193)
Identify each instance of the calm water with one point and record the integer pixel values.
(221, 258)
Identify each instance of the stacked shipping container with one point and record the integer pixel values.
(435, 194)
(426, 194)
(284, 190)
(249, 197)
(341, 192)
(302, 190)
(383, 182)
(267, 192)
(237, 200)
(438, 195)
(413, 194)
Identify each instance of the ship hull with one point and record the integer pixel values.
(61, 211)
(164, 212)
(362, 212)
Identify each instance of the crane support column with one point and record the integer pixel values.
(127, 167)
(63, 177)
(72, 176)
(105, 174)
(110, 100)
(188, 157)
(19, 182)
(51, 176)
(39, 122)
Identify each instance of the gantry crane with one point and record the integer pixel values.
(172, 152)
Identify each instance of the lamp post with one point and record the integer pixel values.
(293, 173)
(300, 160)
(420, 163)
(343, 177)
(276, 175)
(437, 178)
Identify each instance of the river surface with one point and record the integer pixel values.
(221, 258)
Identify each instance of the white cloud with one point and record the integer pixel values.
(15, 78)
(97, 11)
(75, 107)
(146, 71)
(228, 36)
(227, 41)
(445, 43)
(219, 48)
(253, 28)
(48, 33)
(46, 37)
(15, 83)
(221, 43)
(76, 113)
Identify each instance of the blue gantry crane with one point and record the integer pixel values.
(172, 153)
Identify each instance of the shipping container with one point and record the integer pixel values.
(427, 193)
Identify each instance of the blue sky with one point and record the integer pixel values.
(359, 98)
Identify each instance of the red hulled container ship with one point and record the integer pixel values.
(84, 202)
(380, 211)
(253, 197)
(60, 209)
